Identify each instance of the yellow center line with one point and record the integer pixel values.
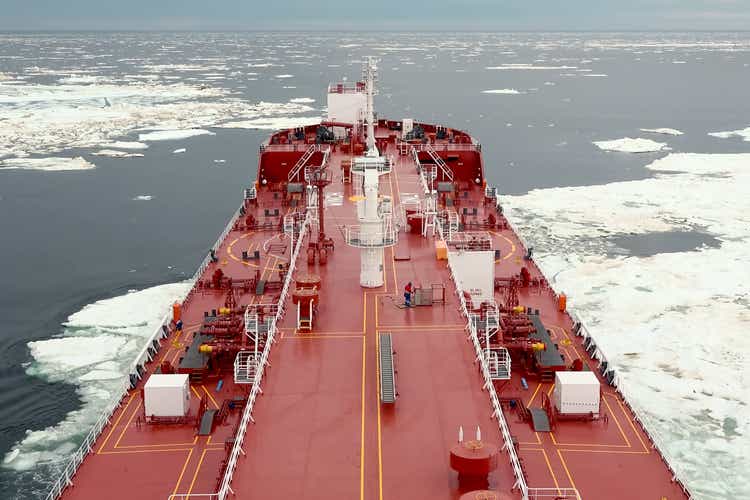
(197, 470)
(549, 466)
(362, 447)
(377, 402)
(533, 396)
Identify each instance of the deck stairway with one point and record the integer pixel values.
(387, 378)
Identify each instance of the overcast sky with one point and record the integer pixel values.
(403, 15)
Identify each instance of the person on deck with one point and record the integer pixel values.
(408, 289)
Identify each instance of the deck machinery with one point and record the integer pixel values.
(360, 369)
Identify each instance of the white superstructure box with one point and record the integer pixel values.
(167, 395)
(576, 392)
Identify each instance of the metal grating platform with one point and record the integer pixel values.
(539, 419)
(387, 379)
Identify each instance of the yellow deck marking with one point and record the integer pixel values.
(156, 450)
(117, 422)
(127, 425)
(533, 396)
(303, 336)
(377, 401)
(549, 466)
(512, 246)
(630, 421)
(570, 477)
(156, 446)
(182, 472)
(210, 397)
(616, 421)
(362, 446)
(195, 474)
(234, 257)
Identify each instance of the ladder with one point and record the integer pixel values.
(447, 174)
(305, 323)
(387, 375)
(302, 161)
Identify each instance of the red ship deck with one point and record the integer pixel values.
(320, 431)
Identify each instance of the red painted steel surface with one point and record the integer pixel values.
(320, 432)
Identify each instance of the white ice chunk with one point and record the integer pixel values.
(173, 135)
(52, 164)
(630, 145)
(113, 153)
(97, 345)
(278, 123)
(502, 91)
(742, 133)
(665, 131)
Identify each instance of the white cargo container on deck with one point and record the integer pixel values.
(576, 392)
(167, 395)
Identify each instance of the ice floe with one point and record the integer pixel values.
(664, 131)
(179, 150)
(630, 145)
(125, 145)
(52, 164)
(173, 135)
(743, 133)
(302, 100)
(673, 324)
(520, 66)
(113, 153)
(44, 119)
(277, 123)
(143, 197)
(502, 91)
(93, 352)
(284, 76)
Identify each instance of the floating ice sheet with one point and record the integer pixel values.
(93, 352)
(673, 324)
(502, 91)
(630, 145)
(664, 131)
(53, 164)
(744, 134)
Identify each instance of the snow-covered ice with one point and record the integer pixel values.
(664, 131)
(113, 153)
(179, 150)
(673, 324)
(93, 352)
(277, 123)
(502, 91)
(143, 197)
(173, 135)
(52, 164)
(742, 133)
(125, 145)
(302, 100)
(630, 145)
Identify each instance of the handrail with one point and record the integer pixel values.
(65, 477)
(497, 410)
(225, 488)
(641, 416)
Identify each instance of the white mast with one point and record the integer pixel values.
(375, 230)
(370, 74)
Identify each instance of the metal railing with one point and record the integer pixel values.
(447, 146)
(497, 411)
(224, 488)
(648, 426)
(555, 493)
(283, 147)
(135, 371)
(358, 237)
